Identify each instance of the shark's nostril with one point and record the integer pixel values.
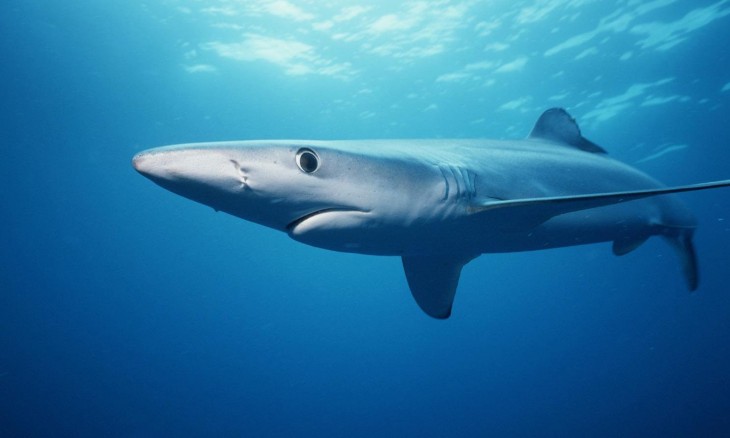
(241, 174)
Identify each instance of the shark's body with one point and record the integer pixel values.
(436, 203)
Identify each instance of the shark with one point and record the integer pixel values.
(435, 203)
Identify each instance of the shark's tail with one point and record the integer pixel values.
(680, 238)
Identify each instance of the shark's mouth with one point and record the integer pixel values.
(293, 224)
(297, 222)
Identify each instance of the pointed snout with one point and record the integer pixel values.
(161, 165)
(141, 163)
(187, 169)
(165, 163)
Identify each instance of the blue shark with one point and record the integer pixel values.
(437, 204)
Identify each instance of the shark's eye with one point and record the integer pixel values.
(307, 160)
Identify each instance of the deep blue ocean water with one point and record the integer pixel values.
(127, 311)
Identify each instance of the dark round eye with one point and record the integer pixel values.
(307, 160)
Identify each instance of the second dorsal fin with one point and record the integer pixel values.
(556, 125)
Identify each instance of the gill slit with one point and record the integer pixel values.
(462, 180)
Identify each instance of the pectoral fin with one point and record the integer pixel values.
(534, 211)
(433, 281)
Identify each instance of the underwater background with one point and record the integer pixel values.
(127, 311)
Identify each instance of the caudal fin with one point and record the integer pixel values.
(681, 241)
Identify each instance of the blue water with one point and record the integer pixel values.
(127, 311)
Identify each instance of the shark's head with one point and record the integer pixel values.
(317, 192)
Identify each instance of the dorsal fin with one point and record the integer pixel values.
(558, 126)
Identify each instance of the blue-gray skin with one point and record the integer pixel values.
(436, 203)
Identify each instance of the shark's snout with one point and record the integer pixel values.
(158, 165)
(140, 162)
